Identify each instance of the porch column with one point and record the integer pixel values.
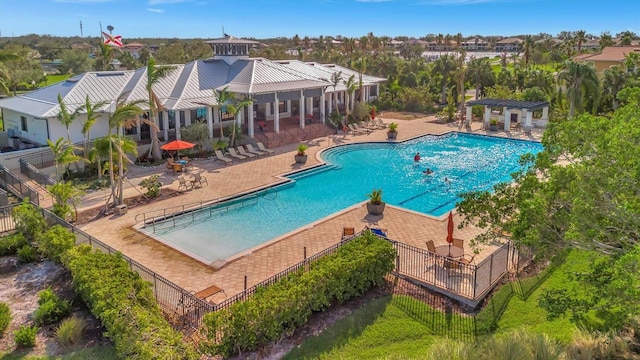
(545, 113)
(468, 118)
(302, 113)
(487, 116)
(309, 105)
(330, 103)
(210, 121)
(187, 118)
(165, 122)
(250, 126)
(216, 118)
(177, 125)
(527, 121)
(507, 119)
(276, 114)
(322, 106)
(138, 135)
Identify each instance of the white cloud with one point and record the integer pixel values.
(155, 10)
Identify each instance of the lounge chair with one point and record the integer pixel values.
(254, 151)
(182, 183)
(241, 151)
(198, 179)
(381, 124)
(356, 131)
(223, 158)
(233, 154)
(261, 147)
(348, 232)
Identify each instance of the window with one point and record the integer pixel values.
(283, 107)
(172, 119)
(160, 121)
(23, 122)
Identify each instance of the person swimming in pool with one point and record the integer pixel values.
(416, 157)
(428, 171)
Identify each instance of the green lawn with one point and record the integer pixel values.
(400, 327)
(52, 79)
(549, 67)
(94, 353)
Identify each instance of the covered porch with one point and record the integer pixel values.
(511, 112)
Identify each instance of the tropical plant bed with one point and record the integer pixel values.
(20, 285)
(402, 115)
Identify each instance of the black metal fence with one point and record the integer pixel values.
(7, 224)
(40, 160)
(4, 198)
(34, 174)
(15, 185)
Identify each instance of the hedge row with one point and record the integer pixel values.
(279, 309)
(116, 295)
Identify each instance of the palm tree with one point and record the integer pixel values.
(626, 37)
(479, 72)
(4, 80)
(63, 193)
(605, 40)
(614, 80)
(105, 57)
(234, 108)
(65, 116)
(581, 37)
(528, 44)
(351, 86)
(336, 78)
(92, 116)
(443, 67)
(439, 41)
(459, 74)
(99, 152)
(125, 115)
(579, 80)
(361, 67)
(63, 154)
(154, 75)
(224, 98)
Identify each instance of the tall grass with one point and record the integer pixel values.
(69, 332)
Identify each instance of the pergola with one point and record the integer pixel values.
(525, 108)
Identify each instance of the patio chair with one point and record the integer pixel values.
(254, 151)
(431, 246)
(188, 160)
(469, 260)
(233, 154)
(168, 167)
(198, 179)
(261, 147)
(348, 232)
(182, 183)
(459, 243)
(242, 152)
(223, 158)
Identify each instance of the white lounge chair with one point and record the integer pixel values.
(223, 158)
(261, 147)
(233, 154)
(240, 150)
(254, 151)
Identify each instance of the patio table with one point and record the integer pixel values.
(452, 252)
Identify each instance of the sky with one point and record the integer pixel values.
(263, 19)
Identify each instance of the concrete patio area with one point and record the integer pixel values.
(404, 226)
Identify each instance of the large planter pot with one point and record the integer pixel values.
(493, 127)
(301, 159)
(374, 209)
(392, 135)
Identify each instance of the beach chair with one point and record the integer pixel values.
(233, 154)
(198, 179)
(261, 147)
(182, 183)
(223, 158)
(241, 151)
(348, 232)
(254, 151)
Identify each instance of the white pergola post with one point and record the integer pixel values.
(216, 117)
(545, 113)
(487, 116)
(250, 126)
(210, 121)
(177, 125)
(330, 103)
(276, 114)
(165, 126)
(468, 117)
(527, 121)
(301, 111)
(507, 119)
(322, 106)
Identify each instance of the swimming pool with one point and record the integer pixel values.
(468, 162)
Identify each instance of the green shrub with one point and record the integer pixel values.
(51, 308)
(5, 317)
(55, 242)
(26, 254)
(29, 220)
(153, 186)
(125, 305)
(279, 309)
(10, 244)
(26, 335)
(70, 331)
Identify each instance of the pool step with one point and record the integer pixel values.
(313, 171)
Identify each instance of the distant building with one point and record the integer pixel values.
(475, 44)
(509, 45)
(134, 49)
(610, 55)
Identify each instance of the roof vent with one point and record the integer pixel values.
(110, 73)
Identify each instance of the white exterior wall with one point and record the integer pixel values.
(36, 128)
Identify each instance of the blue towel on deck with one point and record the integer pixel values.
(378, 232)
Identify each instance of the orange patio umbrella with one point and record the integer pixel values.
(177, 145)
(450, 230)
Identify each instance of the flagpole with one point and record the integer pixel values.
(100, 22)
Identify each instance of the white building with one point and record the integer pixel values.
(279, 89)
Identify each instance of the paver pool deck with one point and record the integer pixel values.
(403, 226)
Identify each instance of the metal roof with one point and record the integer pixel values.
(187, 86)
(509, 104)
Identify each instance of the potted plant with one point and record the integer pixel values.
(375, 206)
(493, 125)
(393, 131)
(300, 156)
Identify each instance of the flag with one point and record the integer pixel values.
(112, 40)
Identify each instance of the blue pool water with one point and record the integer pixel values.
(469, 162)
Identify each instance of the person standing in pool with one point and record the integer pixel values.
(428, 171)
(416, 157)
